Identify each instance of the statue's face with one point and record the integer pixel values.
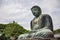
(36, 11)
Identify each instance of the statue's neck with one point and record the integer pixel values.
(36, 17)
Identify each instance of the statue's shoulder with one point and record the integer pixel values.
(45, 16)
(33, 19)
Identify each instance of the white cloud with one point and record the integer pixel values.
(19, 10)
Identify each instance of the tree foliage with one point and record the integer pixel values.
(14, 28)
(57, 31)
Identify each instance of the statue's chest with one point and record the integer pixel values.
(36, 23)
(36, 20)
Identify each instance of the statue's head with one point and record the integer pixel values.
(36, 10)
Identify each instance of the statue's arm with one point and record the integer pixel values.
(46, 22)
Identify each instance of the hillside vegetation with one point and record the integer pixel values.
(57, 31)
(11, 29)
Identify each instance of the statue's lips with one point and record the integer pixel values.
(35, 14)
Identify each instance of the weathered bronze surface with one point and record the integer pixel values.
(41, 25)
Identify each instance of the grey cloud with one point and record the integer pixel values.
(19, 10)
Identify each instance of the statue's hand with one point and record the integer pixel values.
(36, 27)
(33, 31)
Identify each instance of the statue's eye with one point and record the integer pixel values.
(35, 9)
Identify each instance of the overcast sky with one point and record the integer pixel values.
(20, 11)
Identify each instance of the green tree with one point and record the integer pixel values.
(57, 31)
(2, 28)
(14, 28)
